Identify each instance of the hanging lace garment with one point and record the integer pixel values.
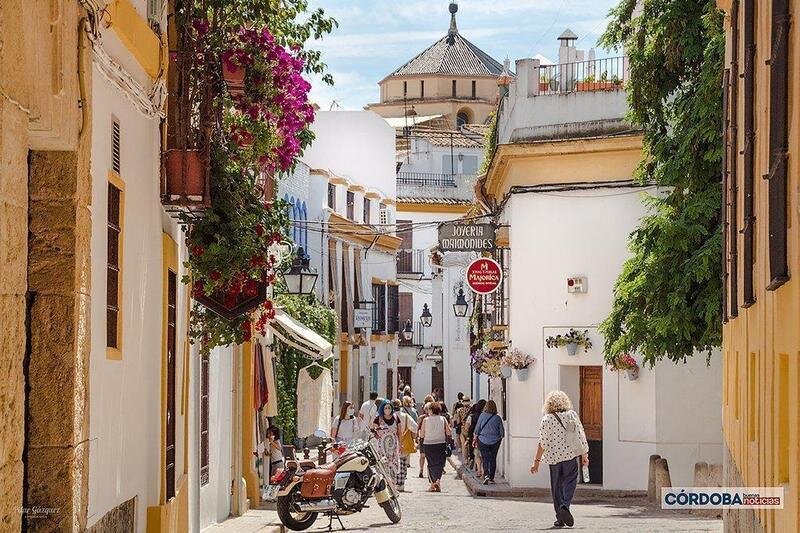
(314, 402)
(271, 407)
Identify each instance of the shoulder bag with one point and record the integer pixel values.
(572, 438)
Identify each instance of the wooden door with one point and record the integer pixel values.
(404, 373)
(390, 385)
(591, 413)
(437, 379)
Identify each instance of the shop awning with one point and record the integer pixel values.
(299, 336)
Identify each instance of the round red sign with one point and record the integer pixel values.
(484, 275)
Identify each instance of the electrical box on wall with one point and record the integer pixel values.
(577, 285)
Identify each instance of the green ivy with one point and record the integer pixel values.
(667, 300)
(321, 319)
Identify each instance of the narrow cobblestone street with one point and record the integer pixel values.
(455, 510)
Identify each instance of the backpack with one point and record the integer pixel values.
(574, 442)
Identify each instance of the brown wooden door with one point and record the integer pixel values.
(591, 405)
(390, 385)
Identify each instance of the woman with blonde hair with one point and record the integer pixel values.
(421, 442)
(562, 443)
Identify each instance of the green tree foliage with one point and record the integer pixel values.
(667, 300)
(322, 320)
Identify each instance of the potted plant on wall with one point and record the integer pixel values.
(572, 340)
(505, 366)
(519, 361)
(627, 363)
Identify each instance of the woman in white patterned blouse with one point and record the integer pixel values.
(561, 442)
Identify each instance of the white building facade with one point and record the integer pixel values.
(562, 180)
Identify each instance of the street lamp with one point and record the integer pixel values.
(426, 318)
(300, 278)
(461, 305)
(407, 331)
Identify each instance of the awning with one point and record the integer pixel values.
(402, 122)
(299, 336)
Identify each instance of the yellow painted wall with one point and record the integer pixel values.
(761, 347)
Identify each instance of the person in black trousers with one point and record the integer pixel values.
(562, 445)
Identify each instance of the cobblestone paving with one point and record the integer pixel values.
(454, 510)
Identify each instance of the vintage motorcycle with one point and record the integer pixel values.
(304, 490)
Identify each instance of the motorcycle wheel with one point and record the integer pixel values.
(294, 520)
(392, 508)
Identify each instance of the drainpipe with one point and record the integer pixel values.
(236, 446)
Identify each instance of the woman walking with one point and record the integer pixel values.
(436, 432)
(562, 442)
(408, 435)
(420, 420)
(469, 430)
(489, 433)
(346, 427)
(387, 432)
(408, 408)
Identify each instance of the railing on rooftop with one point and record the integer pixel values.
(608, 74)
(428, 179)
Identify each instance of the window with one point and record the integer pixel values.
(422, 89)
(405, 89)
(115, 146)
(448, 165)
(332, 196)
(469, 165)
(367, 208)
(172, 291)
(461, 119)
(392, 309)
(778, 144)
(351, 205)
(304, 231)
(204, 414)
(384, 215)
(749, 142)
(113, 268)
(726, 82)
(379, 311)
(454, 88)
(474, 89)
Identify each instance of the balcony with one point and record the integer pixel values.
(609, 74)
(412, 264)
(426, 179)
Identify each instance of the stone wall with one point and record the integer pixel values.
(121, 519)
(740, 521)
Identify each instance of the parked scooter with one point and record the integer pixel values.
(341, 487)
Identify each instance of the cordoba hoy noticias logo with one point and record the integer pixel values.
(722, 498)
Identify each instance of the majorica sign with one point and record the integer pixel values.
(484, 275)
(454, 237)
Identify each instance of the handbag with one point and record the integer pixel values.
(574, 443)
(407, 444)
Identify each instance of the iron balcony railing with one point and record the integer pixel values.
(608, 74)
(412, 262)
(427, 179)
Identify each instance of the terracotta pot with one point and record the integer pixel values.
(185, 172)
(234, 77)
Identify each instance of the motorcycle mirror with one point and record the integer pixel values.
(321, 434)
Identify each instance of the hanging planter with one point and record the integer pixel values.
(627, 363)
(517, 360)
(572, 348)
(571, 341)
(186, 177)
(505, 371)
(522, 373)
(234, 76)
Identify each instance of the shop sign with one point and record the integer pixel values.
(455, 237)
(362, 318)
(484, 275)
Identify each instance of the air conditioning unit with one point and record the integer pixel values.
(577, 285)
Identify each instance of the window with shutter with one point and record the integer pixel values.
(204, 414)
(778, 144)
(392, 309)
(726, 82)
(733, 162)
(367, 208)
(748, 178)
(351, 205)
(172, 291)
(332, 196)
(115, 146)
(379, 311)
(113, 268)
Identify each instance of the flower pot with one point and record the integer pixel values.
(572, 348)
(633, 373)
(505, 371)
(185, 173)
(522, 373)
(234, 77)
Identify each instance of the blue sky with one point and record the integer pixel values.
(377, 36)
